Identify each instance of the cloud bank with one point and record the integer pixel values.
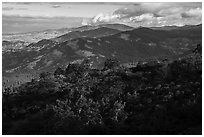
(152, 14)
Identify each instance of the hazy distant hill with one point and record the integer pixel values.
(186, 27)
(98, 32)
(120, 27)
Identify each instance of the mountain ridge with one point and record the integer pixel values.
(127, 46)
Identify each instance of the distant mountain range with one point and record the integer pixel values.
(98, 43)
(177, 27)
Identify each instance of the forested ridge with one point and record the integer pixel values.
(157, 97)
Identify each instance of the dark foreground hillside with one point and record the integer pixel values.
(152, 98)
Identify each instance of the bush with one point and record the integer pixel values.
(114, 100)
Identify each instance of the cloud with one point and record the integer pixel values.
(170, 11)
(25, 3)
(106, 17)
(102, 18)
(56, 6)
(22, 8)
(143, 17)
(134, 14)
(192, 13)
(7, 8)
(85, 21)
(153, 14)
(55, 9)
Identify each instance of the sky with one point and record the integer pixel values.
(26, 16)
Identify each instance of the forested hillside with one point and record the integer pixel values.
(157, 97)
